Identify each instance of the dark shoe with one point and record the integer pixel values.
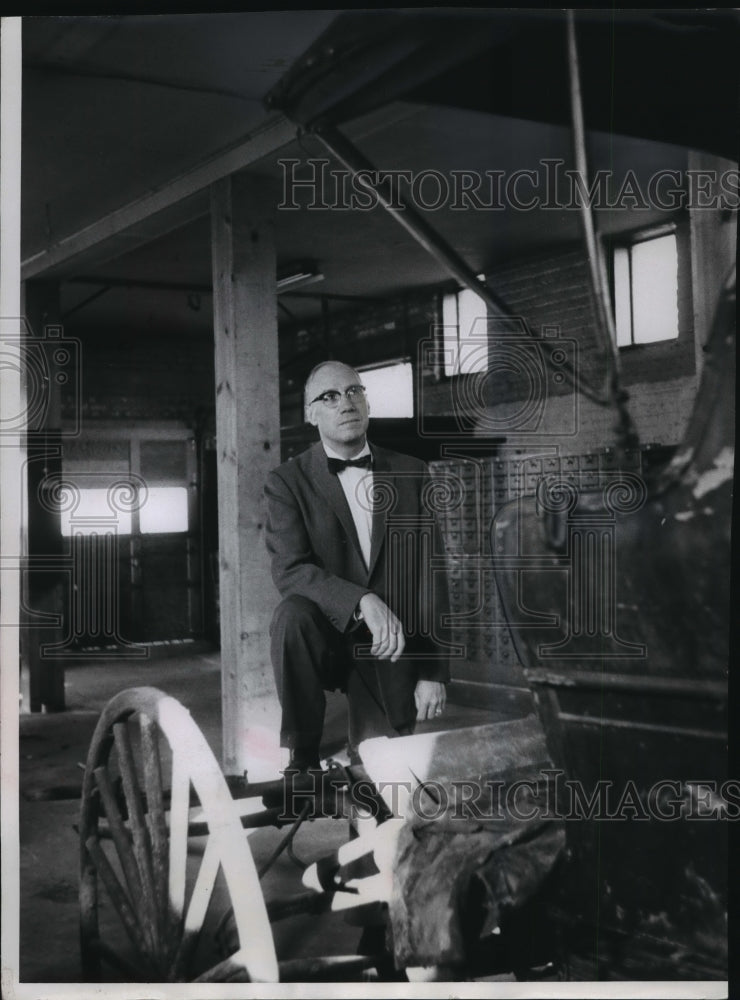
(301, 779)
(303, 759)
(314, 792)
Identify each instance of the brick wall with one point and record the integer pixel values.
(659, 411)
(550, 295)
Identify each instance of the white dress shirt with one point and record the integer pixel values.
(358, 489)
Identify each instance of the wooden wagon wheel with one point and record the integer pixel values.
(147, 765)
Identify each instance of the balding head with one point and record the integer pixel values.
(319, 374)
(342, 423)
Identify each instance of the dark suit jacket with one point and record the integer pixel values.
(315, 551)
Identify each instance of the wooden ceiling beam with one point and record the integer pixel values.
(157, 212)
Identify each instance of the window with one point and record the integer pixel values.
(465, 333)
(164, 510)
(390, 389)
(646, 290)
(131, 481)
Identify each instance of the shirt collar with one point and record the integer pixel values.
(333, 454)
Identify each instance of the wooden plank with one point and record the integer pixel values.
(506, 701)
(477, 752)
(686, 687)
(158, 211)
(682, 732)
(501, 751)
(248, 433)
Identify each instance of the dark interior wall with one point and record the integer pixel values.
(128, 377)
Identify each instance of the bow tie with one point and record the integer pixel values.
(337, 464)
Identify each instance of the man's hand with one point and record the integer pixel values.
(386, 629)
(430, 698)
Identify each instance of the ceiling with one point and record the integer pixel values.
(116, 109)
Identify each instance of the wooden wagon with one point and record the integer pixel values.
(169, 890)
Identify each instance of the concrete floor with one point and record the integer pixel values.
(52, 747)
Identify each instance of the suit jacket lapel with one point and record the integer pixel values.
(328, 483)
(381, 486)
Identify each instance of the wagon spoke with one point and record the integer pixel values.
(155, 815)
(179, 814)
(117, 896)
(197, 908)
(137, 823)
(119, 833)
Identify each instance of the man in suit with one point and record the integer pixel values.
(361, 610)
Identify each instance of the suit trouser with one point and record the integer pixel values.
(309, 656)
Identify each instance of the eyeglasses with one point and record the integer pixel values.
(331, 397)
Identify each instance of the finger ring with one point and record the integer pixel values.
(438, 712)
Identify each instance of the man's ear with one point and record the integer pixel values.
(310, 418)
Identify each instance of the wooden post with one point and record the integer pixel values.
(248, 446)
